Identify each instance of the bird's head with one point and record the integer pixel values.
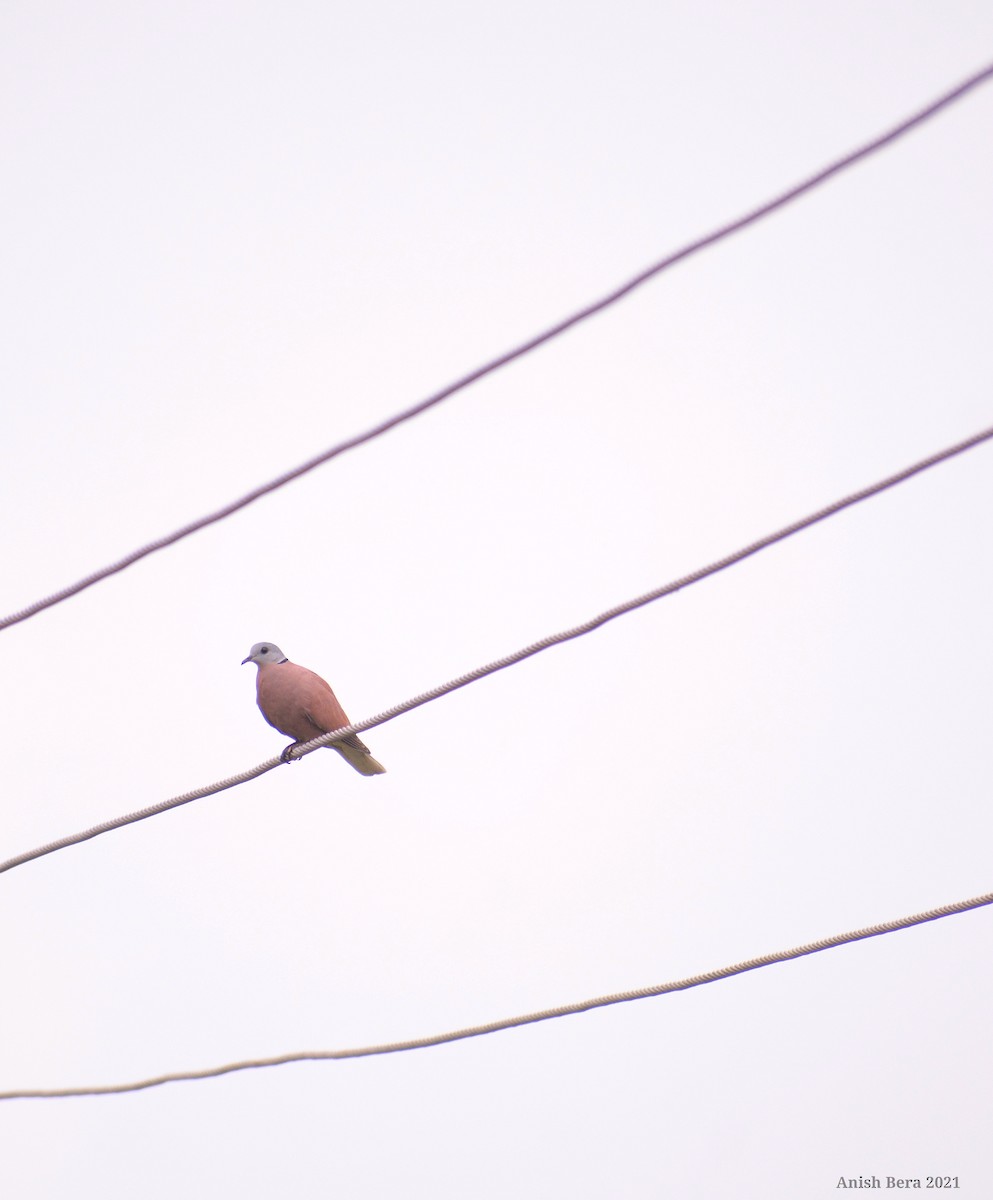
(265, 652)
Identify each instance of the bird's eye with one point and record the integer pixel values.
(264, 650)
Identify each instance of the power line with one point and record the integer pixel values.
(547, 1014)
(142, 814)
(509, 660)
(724, 231)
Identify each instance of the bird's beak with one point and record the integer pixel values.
(245, 660)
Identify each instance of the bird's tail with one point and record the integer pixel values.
(359, 757)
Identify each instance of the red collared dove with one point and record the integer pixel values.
(300, 704)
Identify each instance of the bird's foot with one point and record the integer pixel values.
(285, 756)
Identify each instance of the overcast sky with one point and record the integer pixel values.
(234, 234)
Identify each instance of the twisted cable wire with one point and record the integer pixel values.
(547, 1014)
(554, 639)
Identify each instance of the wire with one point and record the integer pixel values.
(750, 218)
(142, 814)
(509, 660)
(547, 1014)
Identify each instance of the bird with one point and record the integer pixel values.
(300, 704)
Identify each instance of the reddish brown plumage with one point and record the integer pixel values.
(300, 704)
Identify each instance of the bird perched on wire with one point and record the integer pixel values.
(300, 704)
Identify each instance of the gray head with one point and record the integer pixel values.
(265, 652)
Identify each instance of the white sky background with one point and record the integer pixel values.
(235, 234)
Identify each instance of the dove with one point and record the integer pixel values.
(300, 704)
